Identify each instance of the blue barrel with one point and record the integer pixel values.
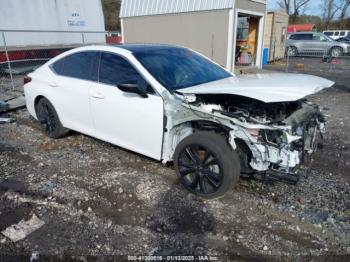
(265, 56)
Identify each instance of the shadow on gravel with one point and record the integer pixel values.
(186, 227)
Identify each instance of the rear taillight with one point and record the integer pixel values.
(26, 80)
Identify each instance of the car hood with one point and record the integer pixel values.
(268, 88)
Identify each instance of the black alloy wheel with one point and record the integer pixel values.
(200, 169)
(46, 118)
(49, 120)
(206, 164)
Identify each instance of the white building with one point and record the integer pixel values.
(57, 15)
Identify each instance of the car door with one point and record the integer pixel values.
(74, 75)
(126, 119)
(306, 43)
(321, 43)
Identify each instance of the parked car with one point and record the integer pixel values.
(173, 104)
(336, 34)
(345, 39)
(311, 43)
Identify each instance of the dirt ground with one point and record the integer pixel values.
(102, 202)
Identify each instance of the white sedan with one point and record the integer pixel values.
(173, 104)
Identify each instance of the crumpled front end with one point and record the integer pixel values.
(282, 147)
(273, 136)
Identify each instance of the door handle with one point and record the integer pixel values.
(98, 96)
(53, 84)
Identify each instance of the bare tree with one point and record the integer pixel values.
(293, 7)
(330, 9)
(285, 4)
(344, 6)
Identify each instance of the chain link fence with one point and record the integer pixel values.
(23, 51)
(331, 65)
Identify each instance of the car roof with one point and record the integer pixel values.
(122, 49)
(300, 33)
(134, 48)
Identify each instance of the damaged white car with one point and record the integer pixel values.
(172, 104)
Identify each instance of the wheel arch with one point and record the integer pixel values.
(293, 46)
(37, 99)
(41, 96)
(184, 129)
(337, 46)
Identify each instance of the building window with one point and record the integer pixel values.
(242, 28)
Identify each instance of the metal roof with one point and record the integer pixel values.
(130, 8)
(301, 28)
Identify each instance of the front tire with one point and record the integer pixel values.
(336, 52)
(49, 121)
(206, 164)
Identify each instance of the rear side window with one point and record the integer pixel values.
(81, 65)
(58, 66)
(306, 37)
(328, 33)
(301, 37)
(293, 37)
(336, 33)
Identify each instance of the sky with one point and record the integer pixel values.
(313, 7)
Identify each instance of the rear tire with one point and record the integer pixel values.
(292, 51)
(206, 165)
(49, 121)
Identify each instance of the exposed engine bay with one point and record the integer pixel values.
(268, 136)
(258, 112)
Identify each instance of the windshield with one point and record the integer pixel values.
(177, 68)
(327, 37)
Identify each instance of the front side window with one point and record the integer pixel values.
(328, 33)
(323, 38)
(116, 70)
(82, 65)
(342, 33)
(336, 34)
(177, 68)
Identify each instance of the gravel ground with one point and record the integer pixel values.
(99, 201)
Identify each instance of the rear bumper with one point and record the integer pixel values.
(30, 100)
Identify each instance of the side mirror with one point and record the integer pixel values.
(133, 88)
